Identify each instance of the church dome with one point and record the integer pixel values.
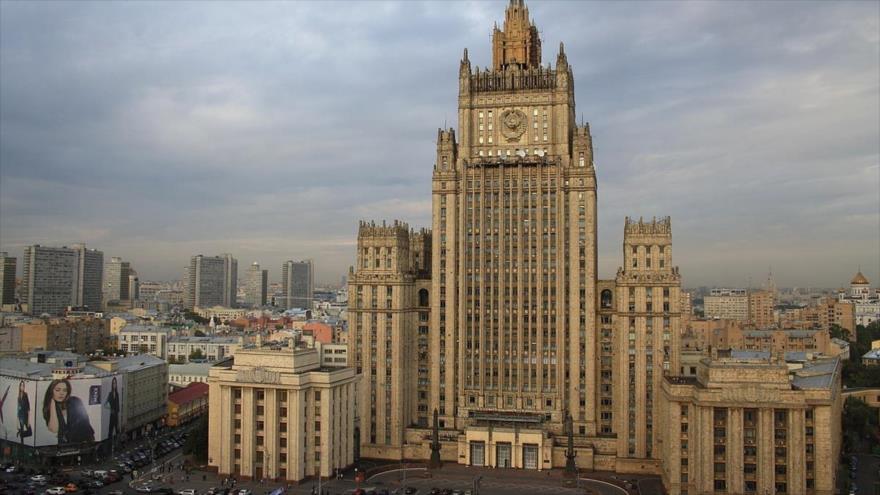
(859, 279)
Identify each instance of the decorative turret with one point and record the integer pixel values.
(582, 147)
(447, 149)
(518, 44)
(561, 59)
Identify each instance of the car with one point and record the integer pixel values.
(410, 490)
(145, 488)
(56, 490)
(187, 491)
(71, 488)
(39, 479)
(114, 492)
(244, 491)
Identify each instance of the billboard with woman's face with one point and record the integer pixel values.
(62, 411)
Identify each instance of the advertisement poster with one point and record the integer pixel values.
(62, 411)
(17, 409)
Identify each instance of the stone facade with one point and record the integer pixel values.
(388, 324)
(496, 318)
(749, 426)
(492, 317)
(275, 413)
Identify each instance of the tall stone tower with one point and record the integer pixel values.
(388, 317)
(514, 252)
(513, 335)
(648, 326)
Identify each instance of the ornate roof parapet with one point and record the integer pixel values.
(372, 229)
(663, 226)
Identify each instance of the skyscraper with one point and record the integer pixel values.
(212, 281)
(89, 276)
(55, 278)
(7, 279)
(257, 286)
(298, 284)
(508, 331)
(116, 280)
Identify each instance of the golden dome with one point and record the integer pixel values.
(859, 279)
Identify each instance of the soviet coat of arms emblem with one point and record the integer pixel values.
(513, 124)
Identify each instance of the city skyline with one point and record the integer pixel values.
(262, 138)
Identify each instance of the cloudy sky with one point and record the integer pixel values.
(158, 130)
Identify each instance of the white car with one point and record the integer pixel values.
(57, 490)
(188, 491)
(39, 479)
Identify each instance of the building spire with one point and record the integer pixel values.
(518, 44)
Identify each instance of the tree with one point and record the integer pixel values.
(279, 326)
(197, 442)
(196, 318)
(196, 354)
(838, 332)
(199, 333)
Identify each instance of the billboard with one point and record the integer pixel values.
(62, 411)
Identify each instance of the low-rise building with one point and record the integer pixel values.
(278, 414)
(871, 358)
(181, 375)
(144, 339)
(322, 332)
(750, 425)
(77, 335)
(210, 348)
(334, 355)
(187, 404)
(221, 313)
(147, 390)
(10, 340)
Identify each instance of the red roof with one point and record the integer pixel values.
(193, 391)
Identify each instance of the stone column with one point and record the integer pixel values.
(705, 480)
(735, 450)
(796, 455)
(270, 442)
(248, 431)
(766, 454)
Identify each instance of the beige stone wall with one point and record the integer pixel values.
(262, 420)
(736, 406)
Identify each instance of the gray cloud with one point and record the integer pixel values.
(156, 130)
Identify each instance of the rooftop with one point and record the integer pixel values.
(872, 354)
(203, 340)
(191, 392)
(200, 369)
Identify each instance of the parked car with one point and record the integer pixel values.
(39, 479)
(187, 491)
(55, 490)
(71, 488)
